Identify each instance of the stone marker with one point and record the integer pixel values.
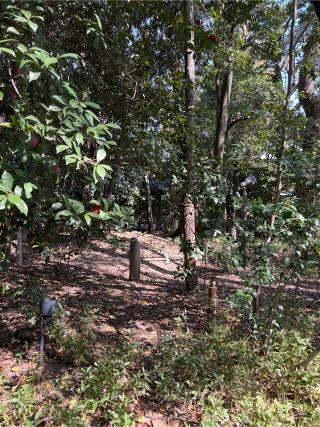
(213, 297)
(134, 267)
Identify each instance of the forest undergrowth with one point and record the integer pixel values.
(236, 370)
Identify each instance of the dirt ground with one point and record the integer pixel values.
(98, 277)
(127, 311)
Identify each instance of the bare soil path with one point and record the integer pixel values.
(141, 311)
(98, 278)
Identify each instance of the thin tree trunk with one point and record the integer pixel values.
(291, 69)
(310, 101)
(316, 5)
(149, 202)
(223, 116)
(189, 228)
(305, 363)
(223, 106)
(158, 220)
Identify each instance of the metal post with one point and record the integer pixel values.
(48, 306)
(134, 268)
(41, 344)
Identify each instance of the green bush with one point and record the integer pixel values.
(224, 374)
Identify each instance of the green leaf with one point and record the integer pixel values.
(93, 105)
(1, 95)
(16, 200)
(70, 159)
(107, 167)
(79, 138)
(59, 99)
(33, 75)
(7, 180)
(100, 171)
(26, 13)
(28, 187)
(3, 41)
(101, 154)
(7, 50)
(92, 114)
(22, 48)
(18, 190)
(3, 202)
(69, 55)
(54, 108)
(76, 205)
(108, 143)
(49, 61)
(5, 125)
(12, 30)
(87, 219)
(70, 90)
(56, 206)
(32, 118)
(300, 218)
(61, 148)
(33, 26)
(113, 125)
(98, 21)
(65, 213)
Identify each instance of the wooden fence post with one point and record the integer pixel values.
(213, 297)
(134, 268)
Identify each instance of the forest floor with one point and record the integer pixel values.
(98, 278)
(124, 311)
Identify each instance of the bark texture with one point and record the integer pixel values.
(291, 71)
(309, 98)
(222, 118)
(149, 202)
(189, 227)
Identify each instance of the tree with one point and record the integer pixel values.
(45, 134)
(290, 74)
(188, 208)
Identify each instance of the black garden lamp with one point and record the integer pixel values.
(247, 185)
(249, 182)
(48, 306)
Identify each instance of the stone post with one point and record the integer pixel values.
(134, 267)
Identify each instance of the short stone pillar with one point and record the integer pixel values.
(213, 296)
(134, 256)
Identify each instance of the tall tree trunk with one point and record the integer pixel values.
(310, 100)
(222, 116)
(223, 107)
(158, 218)
(291, 70)
(188, 208)
(149, 202)
(316, 5)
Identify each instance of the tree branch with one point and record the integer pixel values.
(14, 84)
(238, 120)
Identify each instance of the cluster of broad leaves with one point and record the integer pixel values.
(54, 140)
